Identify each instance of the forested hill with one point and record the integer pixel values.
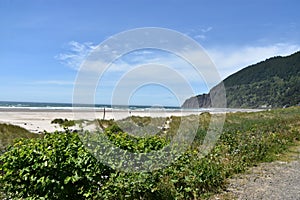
(274, 82)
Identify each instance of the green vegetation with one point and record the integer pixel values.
(63, 122)
(55, 167)
(271, 83)
(59, 167)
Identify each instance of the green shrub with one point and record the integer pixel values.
(55, 167)
(63, 122)
(58, 121)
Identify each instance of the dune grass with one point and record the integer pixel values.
(9, 133)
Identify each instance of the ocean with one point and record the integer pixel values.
(70, 106)
(11, 105)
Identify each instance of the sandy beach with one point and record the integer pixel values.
(39, 120)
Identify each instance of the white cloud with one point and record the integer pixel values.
(205, 30)
(76, 54)
(200, 34)
(231, 59)
(227, 59)
(203, 76)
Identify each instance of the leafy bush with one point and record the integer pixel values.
(136, 144)
(55, 167)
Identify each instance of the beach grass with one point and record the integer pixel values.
(9, 133)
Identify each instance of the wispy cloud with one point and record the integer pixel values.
(75, 54)
(200, 36)
(205, 30)
(226, 59)
(231, 59)
(200, 33)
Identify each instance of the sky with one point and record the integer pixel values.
(43, 45)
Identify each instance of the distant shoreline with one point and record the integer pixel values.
(96, 109)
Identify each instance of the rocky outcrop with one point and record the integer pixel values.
(199, 101)
(216, 98)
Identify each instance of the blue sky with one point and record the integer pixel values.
(42, 43)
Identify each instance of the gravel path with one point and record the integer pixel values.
(276, 180)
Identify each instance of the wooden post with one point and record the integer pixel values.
(104, 113)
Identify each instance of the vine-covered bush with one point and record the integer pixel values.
(55, 167)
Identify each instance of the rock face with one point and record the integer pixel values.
(199, 101)
(216, 98)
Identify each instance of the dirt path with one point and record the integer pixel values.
(276, 180)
